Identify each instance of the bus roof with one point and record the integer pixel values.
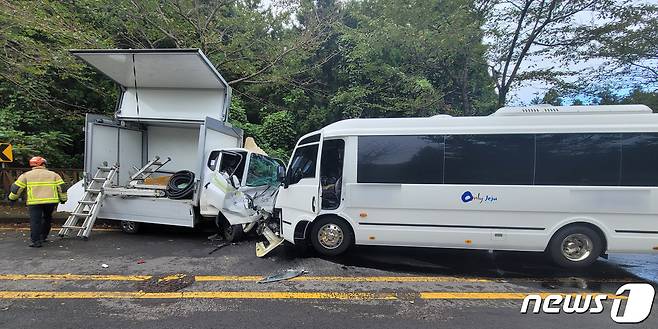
(510, 120)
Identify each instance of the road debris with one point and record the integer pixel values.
(141, 261)
(168, 283)
(105, 265)
(285, 275)
(216, 236)
(220, 247)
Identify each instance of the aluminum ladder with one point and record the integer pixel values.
(90, 204)
(146, 171)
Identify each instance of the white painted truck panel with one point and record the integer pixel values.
(163, 84)
(178, 143)
(170, 104)
(149, 210)
(108, 142)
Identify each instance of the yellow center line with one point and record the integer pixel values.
(74, 277)
(195, 295)
(202, 278)
(274, 295)
(255, 278)
(239, 278)
(504, 295)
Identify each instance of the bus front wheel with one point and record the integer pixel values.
(575, 246)
(331, 236)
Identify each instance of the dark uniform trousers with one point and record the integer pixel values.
(41, 217)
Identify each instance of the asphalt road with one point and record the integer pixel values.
(166, 278)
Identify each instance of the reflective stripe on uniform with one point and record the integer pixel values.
(20, 184)
(44, 183)
(13, 196)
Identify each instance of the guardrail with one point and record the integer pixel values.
(9, 175)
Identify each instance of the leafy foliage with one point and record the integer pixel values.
(296, 65)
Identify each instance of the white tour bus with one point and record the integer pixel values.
(576, 182)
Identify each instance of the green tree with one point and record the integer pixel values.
(626, 44)
(522, 33)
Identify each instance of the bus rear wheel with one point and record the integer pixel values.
(331, 236)
(575, 246)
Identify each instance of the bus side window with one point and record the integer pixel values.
(331, 172)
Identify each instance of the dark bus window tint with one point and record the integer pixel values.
(400, 159)
(303, 163)
(489, 159)
(639, 160)
(578, 159)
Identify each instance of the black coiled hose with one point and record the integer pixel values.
(181, 185)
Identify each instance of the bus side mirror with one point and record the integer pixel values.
(280, 173)
(281, 176)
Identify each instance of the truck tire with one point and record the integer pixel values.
(130, 227)
(331, 236)
(231, 233)
(575, 246)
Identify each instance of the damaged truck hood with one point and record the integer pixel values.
(245, 204)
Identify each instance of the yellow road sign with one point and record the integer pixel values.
(6, 154)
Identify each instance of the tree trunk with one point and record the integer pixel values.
(502, 95)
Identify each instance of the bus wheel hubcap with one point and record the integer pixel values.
(330, 236)
(577, 247)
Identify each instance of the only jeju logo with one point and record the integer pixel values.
(478, 198)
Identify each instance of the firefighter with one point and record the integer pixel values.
(44, 191)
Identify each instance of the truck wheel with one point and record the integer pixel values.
(575, 246)
(231, 233)
(331, 236)
(130, 227)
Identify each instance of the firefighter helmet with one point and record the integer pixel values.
(37, 161)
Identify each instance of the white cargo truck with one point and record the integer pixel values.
(170, 120)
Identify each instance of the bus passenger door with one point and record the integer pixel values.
(300, 197)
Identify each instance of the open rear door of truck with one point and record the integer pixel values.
(107, 141)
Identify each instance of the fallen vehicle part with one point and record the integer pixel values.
(219, 247)
(285, 275)
(273, 241)
(181, 185)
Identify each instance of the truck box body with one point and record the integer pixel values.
(173, 103)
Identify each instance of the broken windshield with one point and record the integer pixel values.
(262, 171)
